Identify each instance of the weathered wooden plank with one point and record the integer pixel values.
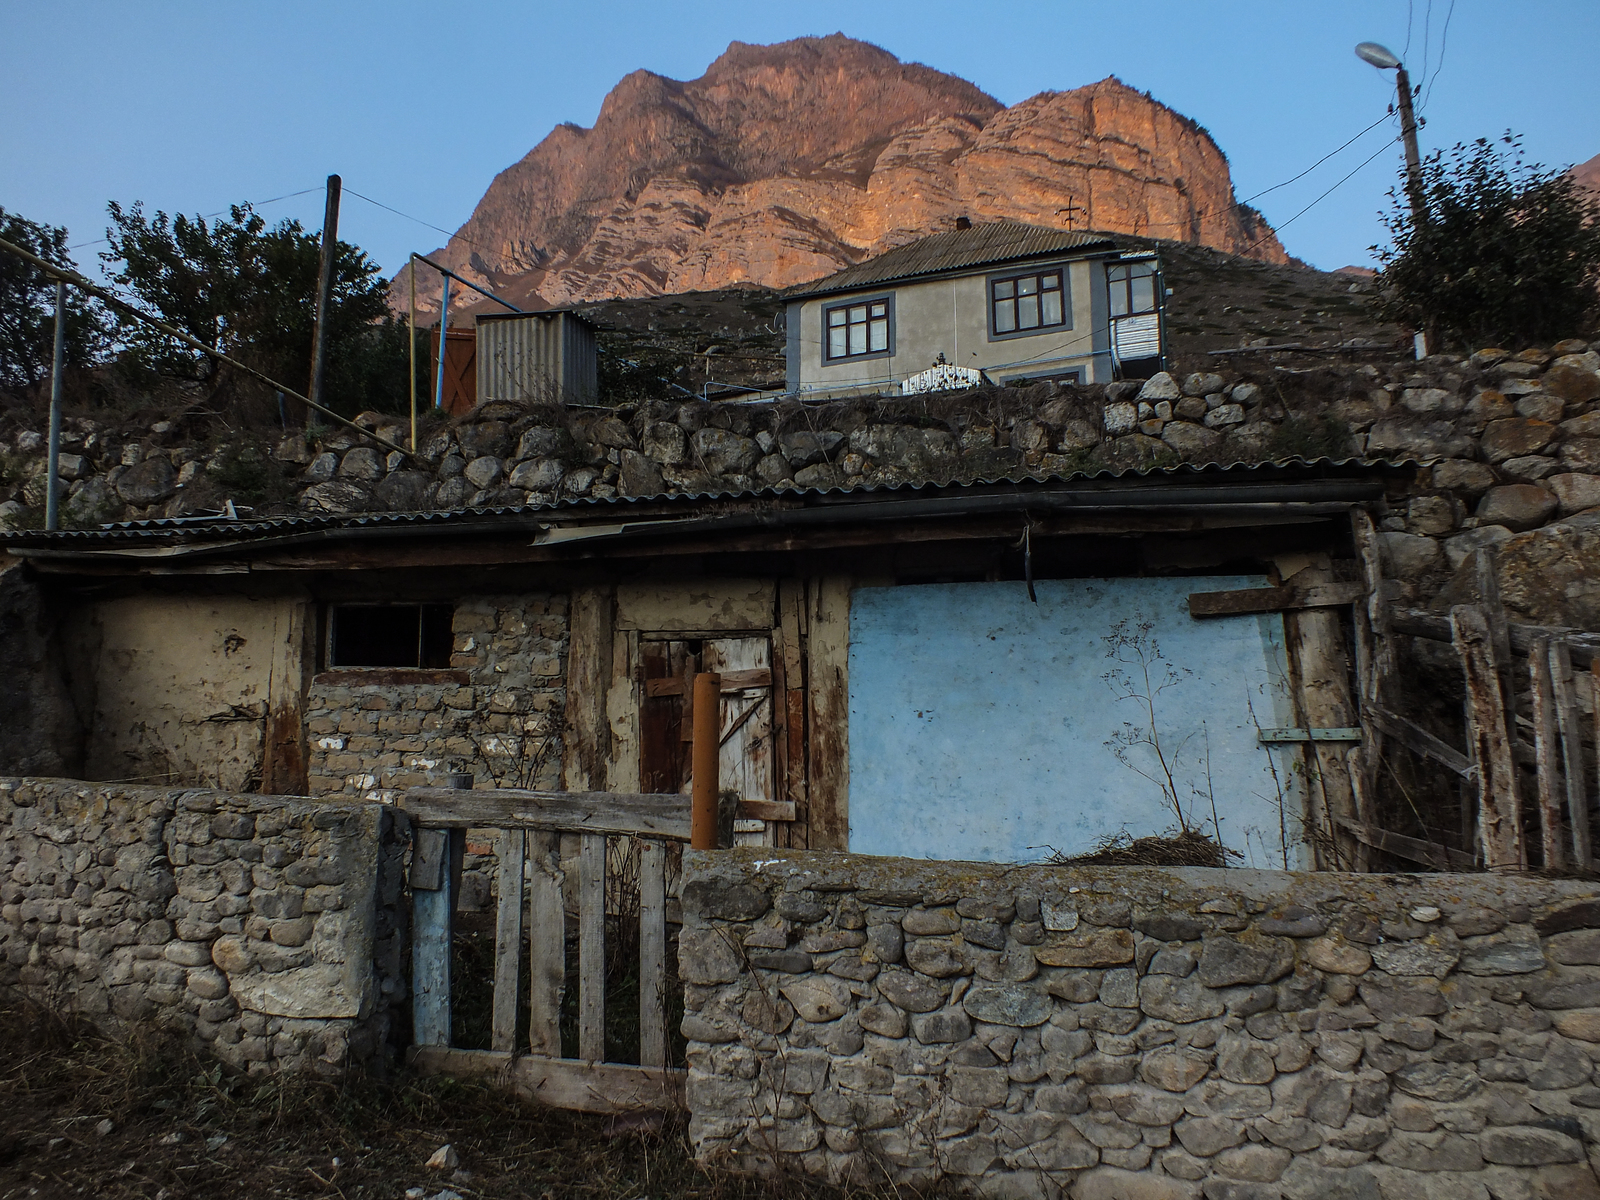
(592, 947)
(1273, 599)
(653, 954)
(766, 810)
(1350, 733)
(656, 815)
(432, 924)
(392, 676)
(561, 1083)
(732, 681)
(507, 939)
(1546, 749)
(1429, 853)
(791, 616)
(828, 693)
(547, 943)
(284, 761)
(586, 734)
(1315, 639)
(1499, 820)
(1583, 645)
(624, 768)
(1419, 740)
(779, 712)
(1566, 705)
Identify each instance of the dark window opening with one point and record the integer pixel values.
(1133, 288)
(1024, 303)
(390, 635)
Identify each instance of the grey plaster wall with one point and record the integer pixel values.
(1143, 1034)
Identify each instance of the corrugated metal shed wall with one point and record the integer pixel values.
(537, 357)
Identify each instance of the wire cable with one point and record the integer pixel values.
(223, 212)
(409, 217)
(1321, 160)
(1315, 202)
(1444, 40)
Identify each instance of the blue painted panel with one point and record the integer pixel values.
(985, 727)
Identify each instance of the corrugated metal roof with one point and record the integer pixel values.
(189, 530)
(1002, 241)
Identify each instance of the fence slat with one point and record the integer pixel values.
(547, 945)
(619, 814)
(507, 940)
(1499, 821)
(432, 920)
(1566, 699)
(1545, 747)
(652, 955)
(592, 947)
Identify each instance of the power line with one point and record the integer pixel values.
(224, 212)
(1444, 40)
(1427, 37)
(1321, 160)
(409, 217)
(1315, 202)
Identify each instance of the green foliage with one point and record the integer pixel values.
(27, 307)
(249, 291)
(1505, 252)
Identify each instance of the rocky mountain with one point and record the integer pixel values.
(1588, 174)
(784, 163)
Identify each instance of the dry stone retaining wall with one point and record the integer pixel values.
(267, 928)
(1144, 1034)
(501, 722)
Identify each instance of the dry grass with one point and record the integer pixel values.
(182, 1128)
(1188, 848)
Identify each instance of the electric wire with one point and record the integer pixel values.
(409, 217)
(1444, 40)
(221, 213)
(1381, 149)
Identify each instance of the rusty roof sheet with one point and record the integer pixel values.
(1001, 241)
(581, 507)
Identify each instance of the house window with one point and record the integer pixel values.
(857, 330)
(1023, 303)
(1133, 288)
(390, 635)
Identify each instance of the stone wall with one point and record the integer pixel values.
(498, 715)
(267, 928)
(1144, 1034)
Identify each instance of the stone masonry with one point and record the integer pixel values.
(266, 928)
(1143, 1033)
(501, 722)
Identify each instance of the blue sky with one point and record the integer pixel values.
(191, 106)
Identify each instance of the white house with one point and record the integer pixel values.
(1011, 301)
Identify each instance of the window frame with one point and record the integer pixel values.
(886, 299)
(331, 635)
(1036, 271)
(1125, 285)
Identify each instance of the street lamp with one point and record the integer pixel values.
(1384, 59)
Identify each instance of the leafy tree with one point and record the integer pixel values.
(28, 307)
(250, 291)
(1504, 251)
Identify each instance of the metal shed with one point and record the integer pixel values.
(544, 356)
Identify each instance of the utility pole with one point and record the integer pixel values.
(330, 247)
(1386, 60)
(52, 479)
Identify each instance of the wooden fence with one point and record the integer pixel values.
(528, 826)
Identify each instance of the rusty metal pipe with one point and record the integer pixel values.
(705, 766)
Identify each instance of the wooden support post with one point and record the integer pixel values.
(791, 617)
(1545, 749)
(507, 940)
(1566, 702)
(586, 734)
(704, 760)
(1489, 740)
(435, 876)
(1316, 639)
(592, 947)
(547, 944)
(652, 954)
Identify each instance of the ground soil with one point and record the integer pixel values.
(141, 1115)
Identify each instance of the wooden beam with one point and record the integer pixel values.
(732, 681)
(766, 810)
(1583, 645)
(1499, 819)
(392, 676)
(1545, 750)
(1417, 739)
(507, 939)
(1566, 705)
(561, 1082)
(1350, 733)
(828, 715)
(1273, 599)
(586, 734)
(1429, 853)
(284, 760)
(648, 816)
(1315, 638)
(653, 954)
(791, 616)
(592, 947)
(547, 943)
(432, 926)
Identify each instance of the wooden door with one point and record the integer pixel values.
(666, 729)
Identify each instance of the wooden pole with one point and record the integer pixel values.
(704, 760)
(52, 497)
(330, 249)
(1499, 821)
(1316, 639)
(1544, 753)
(411, 348)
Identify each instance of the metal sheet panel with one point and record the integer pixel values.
(534, 358)
(1137, 337)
